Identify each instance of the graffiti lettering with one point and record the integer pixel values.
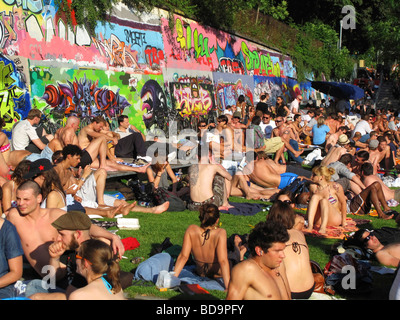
(231, 66)
(190, 102)
(136, 38)
(200, 43)
(9, 92)
(260, 64)
(119, 54)
(35, 6)
(154, 56)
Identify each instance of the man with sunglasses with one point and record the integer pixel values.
(74, 227)
(385, 244)
(267, 124)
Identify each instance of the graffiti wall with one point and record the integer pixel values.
(141, 66)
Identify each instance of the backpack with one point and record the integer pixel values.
(296, 187)
(338, 277)
(161, 195)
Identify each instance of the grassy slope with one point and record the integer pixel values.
(155, 228)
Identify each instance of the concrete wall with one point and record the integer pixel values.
(134, 65)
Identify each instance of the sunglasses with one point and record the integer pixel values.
(202, 126)
(367, 238)
(277, 121)
(286, 201)
(265, 117)
(80, 258)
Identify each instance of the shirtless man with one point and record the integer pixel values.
(91, 138)
(368, 177)
(209, 183)
(262, 275)
(288, 137)
(376, 155)
(222, 150)
(335, 152)
(34, 227)
(388, 255)
(261, 174)
(384, 150)
(334, 137)
(89, 187)
(67, 134)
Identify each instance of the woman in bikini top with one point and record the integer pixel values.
(96, 263)
(297, 259)
(207, 244)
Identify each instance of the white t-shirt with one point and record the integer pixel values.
(271, 125)
(123, 134)
(363, 127)
(23, 133)
(294, 106)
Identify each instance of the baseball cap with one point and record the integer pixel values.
(373, 144)
(73, 220)
(237, 114)
(37, 167)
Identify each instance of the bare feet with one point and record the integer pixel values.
(141, 169)
(386, 217)
(225, 207)
(112, 213)
(161, 208)
(252, 196)
(298, 153)
(128, 208)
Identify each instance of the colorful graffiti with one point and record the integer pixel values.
(228, 88)
(84, 98)
(192, 98)
(135, 65)
(14, 98)
(193, 45)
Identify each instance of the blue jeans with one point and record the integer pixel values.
(365, 137)
(8, 292)
(46, 153)
(295, 146)
(150, 269)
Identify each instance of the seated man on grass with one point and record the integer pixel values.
(209, 183)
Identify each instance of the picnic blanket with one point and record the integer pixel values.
(244, 209)
(337, 232)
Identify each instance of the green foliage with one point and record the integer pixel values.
(311, 57)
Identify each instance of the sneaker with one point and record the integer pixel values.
(145, 158)
(171, 156)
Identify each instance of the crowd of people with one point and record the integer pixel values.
(52, 183)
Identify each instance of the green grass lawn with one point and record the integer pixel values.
(155, 228)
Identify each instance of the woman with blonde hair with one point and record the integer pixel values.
(327, 205)
(320, 132)
(96, 262)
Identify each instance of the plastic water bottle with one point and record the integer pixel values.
(179, 175)
(144, 203)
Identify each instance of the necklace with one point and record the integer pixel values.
(278, 274)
